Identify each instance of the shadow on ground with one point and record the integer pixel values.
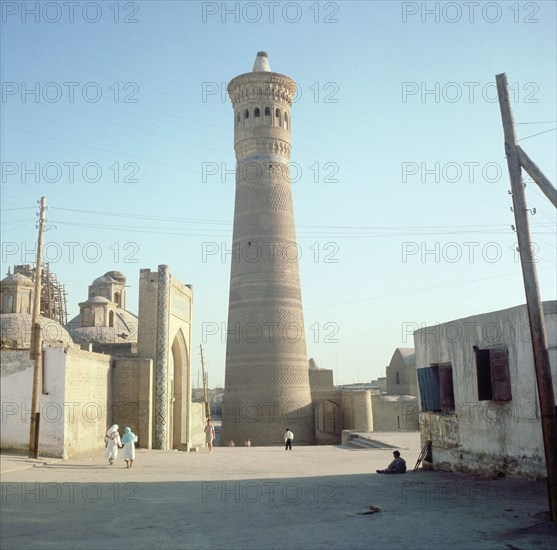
(418, 510)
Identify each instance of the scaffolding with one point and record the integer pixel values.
(53, 294)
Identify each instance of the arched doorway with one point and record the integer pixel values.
(328, 422)
(178, 381)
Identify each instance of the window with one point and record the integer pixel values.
(286, 120)
(446, 387)
(111, 319)
(257, 113)
(397, 377)
(246, 114)
(436, 388)
(267, 111)
(238, 118)
(493, 376)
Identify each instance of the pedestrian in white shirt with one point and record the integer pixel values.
(288, 437)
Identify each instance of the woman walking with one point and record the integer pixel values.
(129, 439)
(113, 442)
(209, 434)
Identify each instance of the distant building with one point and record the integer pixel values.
(401, 373)
(478, 394)
(360, 407)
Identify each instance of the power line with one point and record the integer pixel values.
(538, 134)
(359, 300)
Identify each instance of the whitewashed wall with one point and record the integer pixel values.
(16, 391)
(486, 436)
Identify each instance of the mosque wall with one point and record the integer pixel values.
(132, 380)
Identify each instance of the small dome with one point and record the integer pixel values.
(16, 328)
(110, 277)
(17, 278)
(97, 300)
(117, 276)
(124, 330)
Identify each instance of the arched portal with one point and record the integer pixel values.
(328, 422)
(179, 376)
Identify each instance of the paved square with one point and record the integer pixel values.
(266, 498)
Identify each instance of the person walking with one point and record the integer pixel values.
(129, 439)
(113, 443)
(288, 437)
(209, 434)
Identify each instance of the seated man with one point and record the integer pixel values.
(397, 466)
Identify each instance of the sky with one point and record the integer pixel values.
(117, 113)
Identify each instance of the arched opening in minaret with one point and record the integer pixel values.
(246, 114)
(257, 112)
(111, 319)
(238, 117)
(286, 120)
(278, 118)
(267, 111)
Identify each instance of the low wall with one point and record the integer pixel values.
(198, 425)
(16, 389)
(132, 397)
(87, 399)
(391, 414)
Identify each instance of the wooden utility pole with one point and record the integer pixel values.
(533, 298)
(36, 340)
(205, 396)
(537, 175)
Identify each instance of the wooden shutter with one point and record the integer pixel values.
(483, 374)
(500, 374)
(446, 387)
(428, 381)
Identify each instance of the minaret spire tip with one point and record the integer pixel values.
(261, 63)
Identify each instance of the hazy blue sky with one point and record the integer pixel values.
(398, 156)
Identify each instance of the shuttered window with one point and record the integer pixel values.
(428, 380)
(446, 387)
(436, 388)
(493, 374)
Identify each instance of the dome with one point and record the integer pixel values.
(110, 277)
(16, 329)
(97, 300)
(124, 329)
(117, 276)
(17, 278)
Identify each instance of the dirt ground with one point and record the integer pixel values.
(265, 497)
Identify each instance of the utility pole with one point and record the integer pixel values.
(533, 298)
(537, 175)
(205, 396)
(36, 340)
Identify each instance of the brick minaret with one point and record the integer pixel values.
(266, 382)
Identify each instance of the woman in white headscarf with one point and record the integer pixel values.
(129, 439)
(113, 442)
